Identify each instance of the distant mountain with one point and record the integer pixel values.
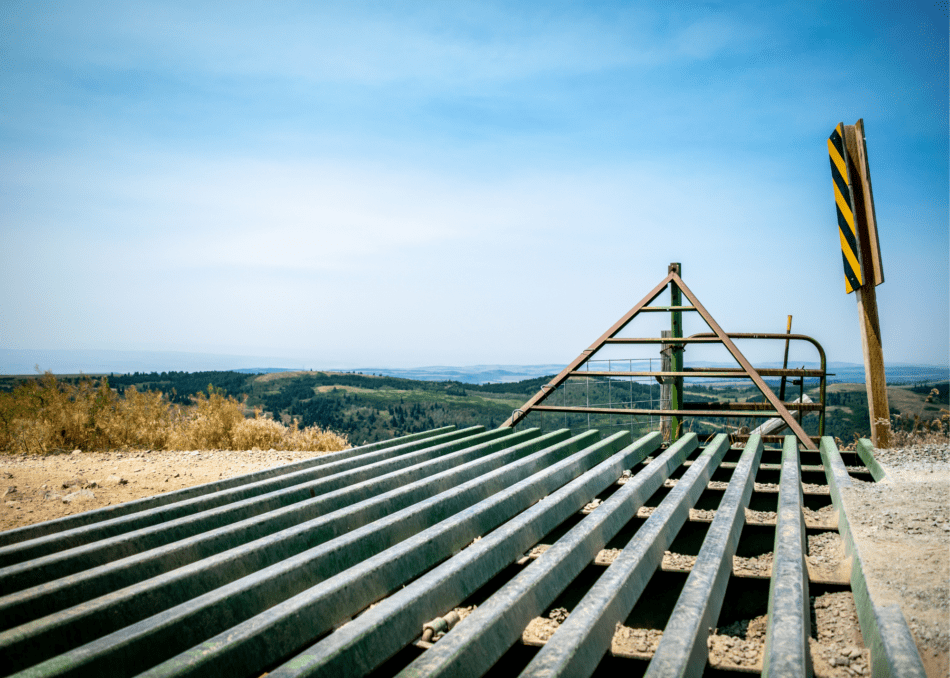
(474, 374)
(853, 373)
(19, 361)
(14, 361)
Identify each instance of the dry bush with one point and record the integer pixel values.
(259, 433)
(315, 438)
(265, 434)
(907, 431)
(136, 420)
(45, 415)
(207, 424)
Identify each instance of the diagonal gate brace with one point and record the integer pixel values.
(610, 337)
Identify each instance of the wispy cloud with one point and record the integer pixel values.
(460, 172)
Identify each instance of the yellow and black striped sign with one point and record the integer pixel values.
(850, 251)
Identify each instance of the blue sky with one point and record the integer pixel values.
(406, 184)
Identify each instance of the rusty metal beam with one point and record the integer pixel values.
(666, 309)
(700, 373)
(539, 397)
(663, 340)
(747, 366)
(768, 414)
(800, 407)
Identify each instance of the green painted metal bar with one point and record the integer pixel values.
(682, 650)
(109, 512)
(866, 453)
(136, 647)
(367, 641)
(581, 641)
(472, 647)
(786, 640)
(676, 352)
(63, 563)
(42, 638)
(257, 495)
(288, 626)
(883, 627)
(284, 532)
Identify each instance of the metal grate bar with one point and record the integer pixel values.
(286, 626)
(786, 640)
(578, 645)
(473, 647)
(682, 650)
(160, 637)
(108, 512)
(290, 530)
(65, 557)
(265, 490)
(884, 629)
(374, 636)
(84, 623)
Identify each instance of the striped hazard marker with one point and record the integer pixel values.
(850, 251)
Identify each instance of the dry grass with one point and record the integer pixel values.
(45, 415)
(915, 430)
(912, 429)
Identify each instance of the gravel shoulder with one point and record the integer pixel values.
(36, 488)
(902, 526)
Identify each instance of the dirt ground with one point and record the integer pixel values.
(37, 488)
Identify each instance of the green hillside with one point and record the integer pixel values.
(367, 408)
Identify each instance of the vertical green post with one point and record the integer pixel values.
(676, 357)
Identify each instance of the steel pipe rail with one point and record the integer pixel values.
(60, 563)
(581, 641)
(473, 646)
(663, 340)
(257, 497)
(822, 371)
(279, 534)
(682, 650)
(367, 641)
(666, 309)
(752, 414)
(108, 512)
(83, 623)
(883, 627)
(341, 583)
(786, 640)
(704, 373)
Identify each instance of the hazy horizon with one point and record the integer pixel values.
(20, 363)
(461, 184)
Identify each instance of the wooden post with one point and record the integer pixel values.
(866, 225)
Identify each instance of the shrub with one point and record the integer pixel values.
(258, 433)
(45, 415)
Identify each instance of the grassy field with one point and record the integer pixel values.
(289, 409)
